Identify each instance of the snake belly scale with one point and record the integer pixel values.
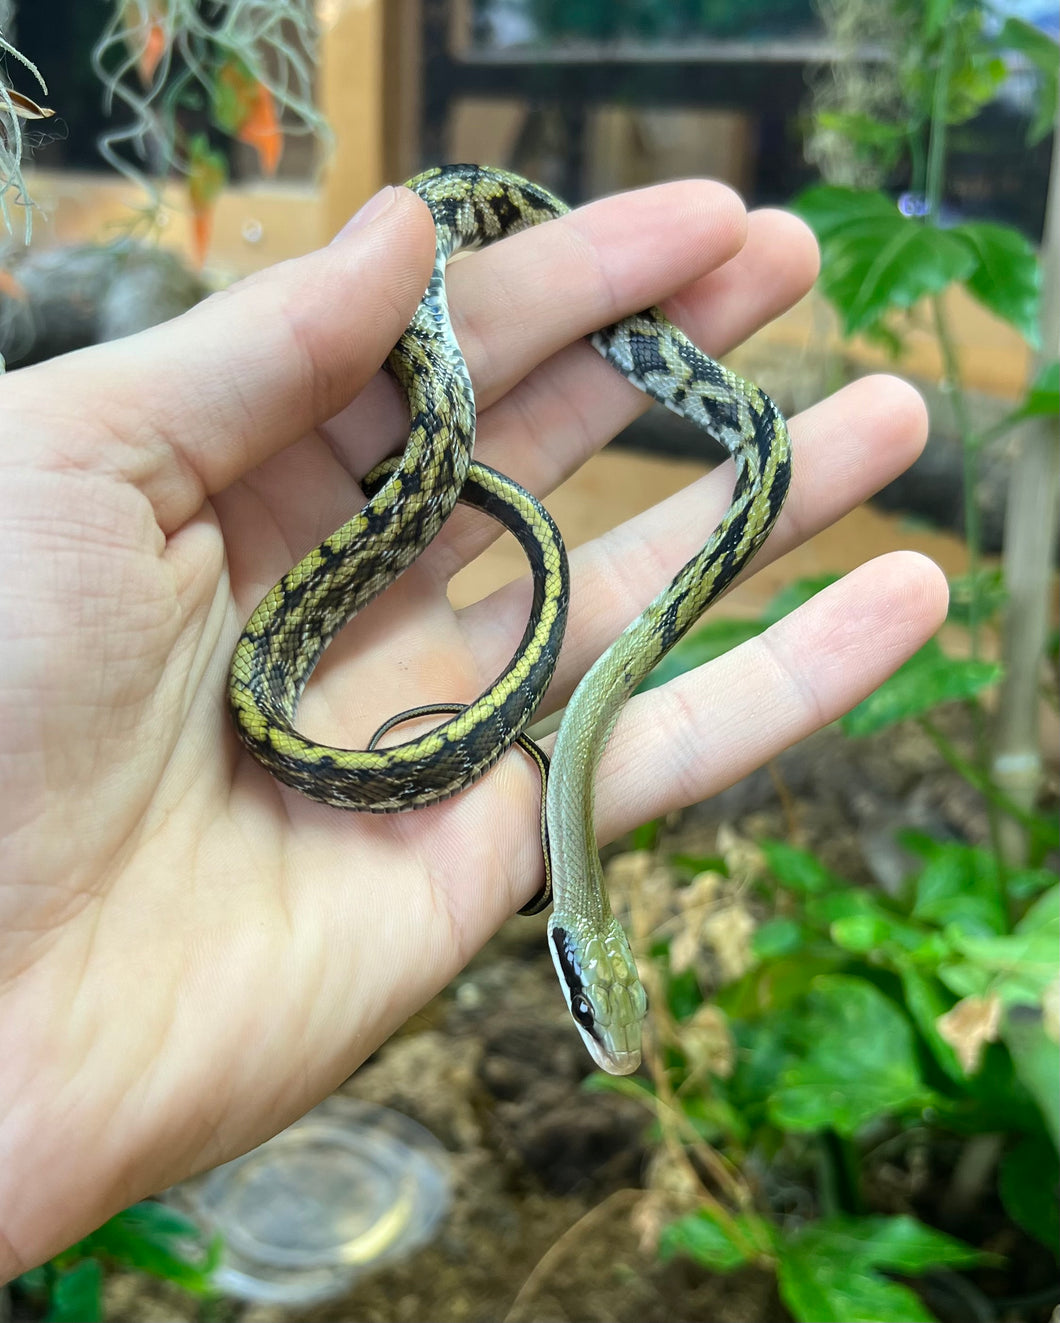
(409, 499)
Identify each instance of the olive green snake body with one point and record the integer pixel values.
(409, 499)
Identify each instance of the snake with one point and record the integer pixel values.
(408, 499)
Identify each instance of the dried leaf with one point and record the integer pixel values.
(729, 933)
(969, 1026)
(706, 1040)
(685, 950)
(743, 857)
(26, 108)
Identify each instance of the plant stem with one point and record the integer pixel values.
(1030, 535)
(936, 162)
(973, 539)
(951, 372)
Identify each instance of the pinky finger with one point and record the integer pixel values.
(691, 738)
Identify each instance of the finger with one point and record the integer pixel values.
(545, 428)
(522, 301)
(689, 739)
(192, 405)
(518, 302)
(844, 449)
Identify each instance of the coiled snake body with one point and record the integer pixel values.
(408, 501)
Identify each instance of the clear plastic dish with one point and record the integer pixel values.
(345, 1189)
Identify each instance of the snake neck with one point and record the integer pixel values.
(590, 717)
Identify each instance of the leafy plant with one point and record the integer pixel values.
(868, 1027)
(147, 1238)
(880, 259)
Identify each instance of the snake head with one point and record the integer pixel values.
(603, 991)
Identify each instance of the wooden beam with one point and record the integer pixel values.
(352, 98)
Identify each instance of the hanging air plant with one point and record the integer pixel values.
(189, 75)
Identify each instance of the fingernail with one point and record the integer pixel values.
(375, 206)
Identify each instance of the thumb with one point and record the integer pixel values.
(184, 409)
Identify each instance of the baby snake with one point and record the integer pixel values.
(408, 501)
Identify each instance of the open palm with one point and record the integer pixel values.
(192, 955)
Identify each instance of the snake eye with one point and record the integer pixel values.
(582, 1011)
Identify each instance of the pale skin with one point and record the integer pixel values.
(192, 955)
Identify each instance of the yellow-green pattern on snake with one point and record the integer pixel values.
(409, 500)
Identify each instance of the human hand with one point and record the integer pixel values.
(192, 955)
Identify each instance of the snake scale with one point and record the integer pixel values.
(409, 499)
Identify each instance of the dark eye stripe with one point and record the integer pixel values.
(572, 976)
(568, 960)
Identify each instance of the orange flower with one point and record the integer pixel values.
(153, 50)
(261, 130)
(244, 107)
(207, 174)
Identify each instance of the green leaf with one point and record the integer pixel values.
(900, 1243)
(821, 1287)
(234, 94)
(798, 870)
(1019, 35)
(1043, 398)
(1005, 278)
(857, 921)
(965, 978)
(984, 590)
(1023, 883)
(936, 13)
(974, 83)
(684, 996)
(858, 1061)
(961, 885)
(776, 937)
(883, 264)
(927, 679)
(796, 594)
(645, 836)
(719, 1243)
(1036, 1059)
(691, 865)
(704, 644)
(77, 1294)
(34, 1281)
(1043, 918)
(865, 130)
(1024, 963)
(860, 932)
(1027, 1184)
(207, 173)
(927, 1000)
(153, 1238)
(771, 986)
(826, 1273)
(828, 209)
